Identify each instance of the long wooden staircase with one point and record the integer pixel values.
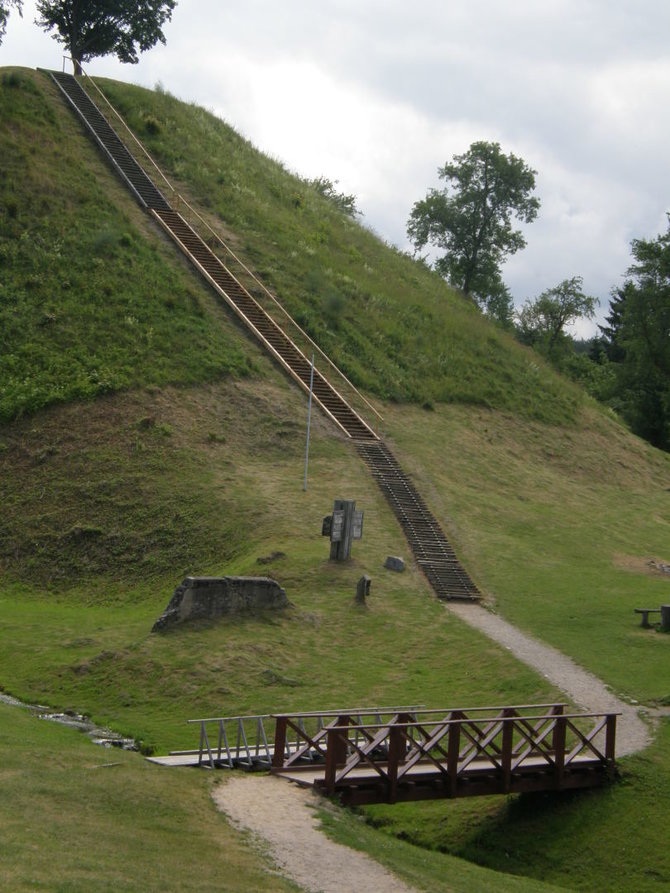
(426, 539)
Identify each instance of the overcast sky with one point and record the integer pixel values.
(377, 94)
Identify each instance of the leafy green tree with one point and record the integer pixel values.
(542, 322)
(638, 337)
(5, 9)
(89, 28)
(470, 219)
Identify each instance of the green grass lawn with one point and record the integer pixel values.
(143, 437)
(80, 617)
(558, 526)
(612, 839)
(77, 817)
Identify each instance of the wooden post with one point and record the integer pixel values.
(336, 753)
(340, 550)
(396, 754)
(559, 750)
(280, 743)
(610, 737)
(557, 710)
(453, 751)
(507, 748)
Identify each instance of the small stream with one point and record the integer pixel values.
(103, 737)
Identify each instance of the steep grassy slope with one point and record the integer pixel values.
(393, 325)
(190, 461)
(90, 300)
(108, 513)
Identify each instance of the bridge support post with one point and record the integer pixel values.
(559, 750)
(396, 754)
(280, 743)
(558, 710)
(507, 748)
(610, 737)
(453, 752)
(336, 753)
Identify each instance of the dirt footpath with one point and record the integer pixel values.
(283, 816)
(632, 734)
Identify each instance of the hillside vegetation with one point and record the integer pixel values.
(145, 437)
(392, 325)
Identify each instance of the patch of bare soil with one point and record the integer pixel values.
(283, 816)
(654, 566)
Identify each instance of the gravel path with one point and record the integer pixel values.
(632, 734)
(282, 814)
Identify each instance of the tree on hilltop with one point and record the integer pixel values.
(89, 28)
(542, 322)
(5, 9)
(471, 218)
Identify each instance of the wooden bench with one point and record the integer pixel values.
(645, 615)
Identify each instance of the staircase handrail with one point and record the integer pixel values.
(276, 301)
(178, 198)
(139, 145)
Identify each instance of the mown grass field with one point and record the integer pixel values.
(144, 437)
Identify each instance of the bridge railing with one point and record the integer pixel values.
(252, 741)
(233, 741)
(310, 730)
(460, 745)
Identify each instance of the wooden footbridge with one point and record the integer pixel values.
(264, 317)
(387, 755)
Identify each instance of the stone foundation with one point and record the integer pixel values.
(208, 598)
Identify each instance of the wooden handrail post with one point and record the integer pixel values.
(396, 754)
(507, 749)
(280, 743)
(336, 752)
(610, 737)
(341, 744)
(559, 749)
(331, 761)
(453, 752)
(557, 710)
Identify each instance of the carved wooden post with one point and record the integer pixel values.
(343, 527)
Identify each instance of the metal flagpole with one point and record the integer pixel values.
(309, 421)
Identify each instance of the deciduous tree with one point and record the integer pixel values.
(542, 322)
(5, 9)
(471, 218)
(91, 28)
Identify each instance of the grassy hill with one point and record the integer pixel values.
(145, 437)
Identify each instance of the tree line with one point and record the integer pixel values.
(627, 366)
